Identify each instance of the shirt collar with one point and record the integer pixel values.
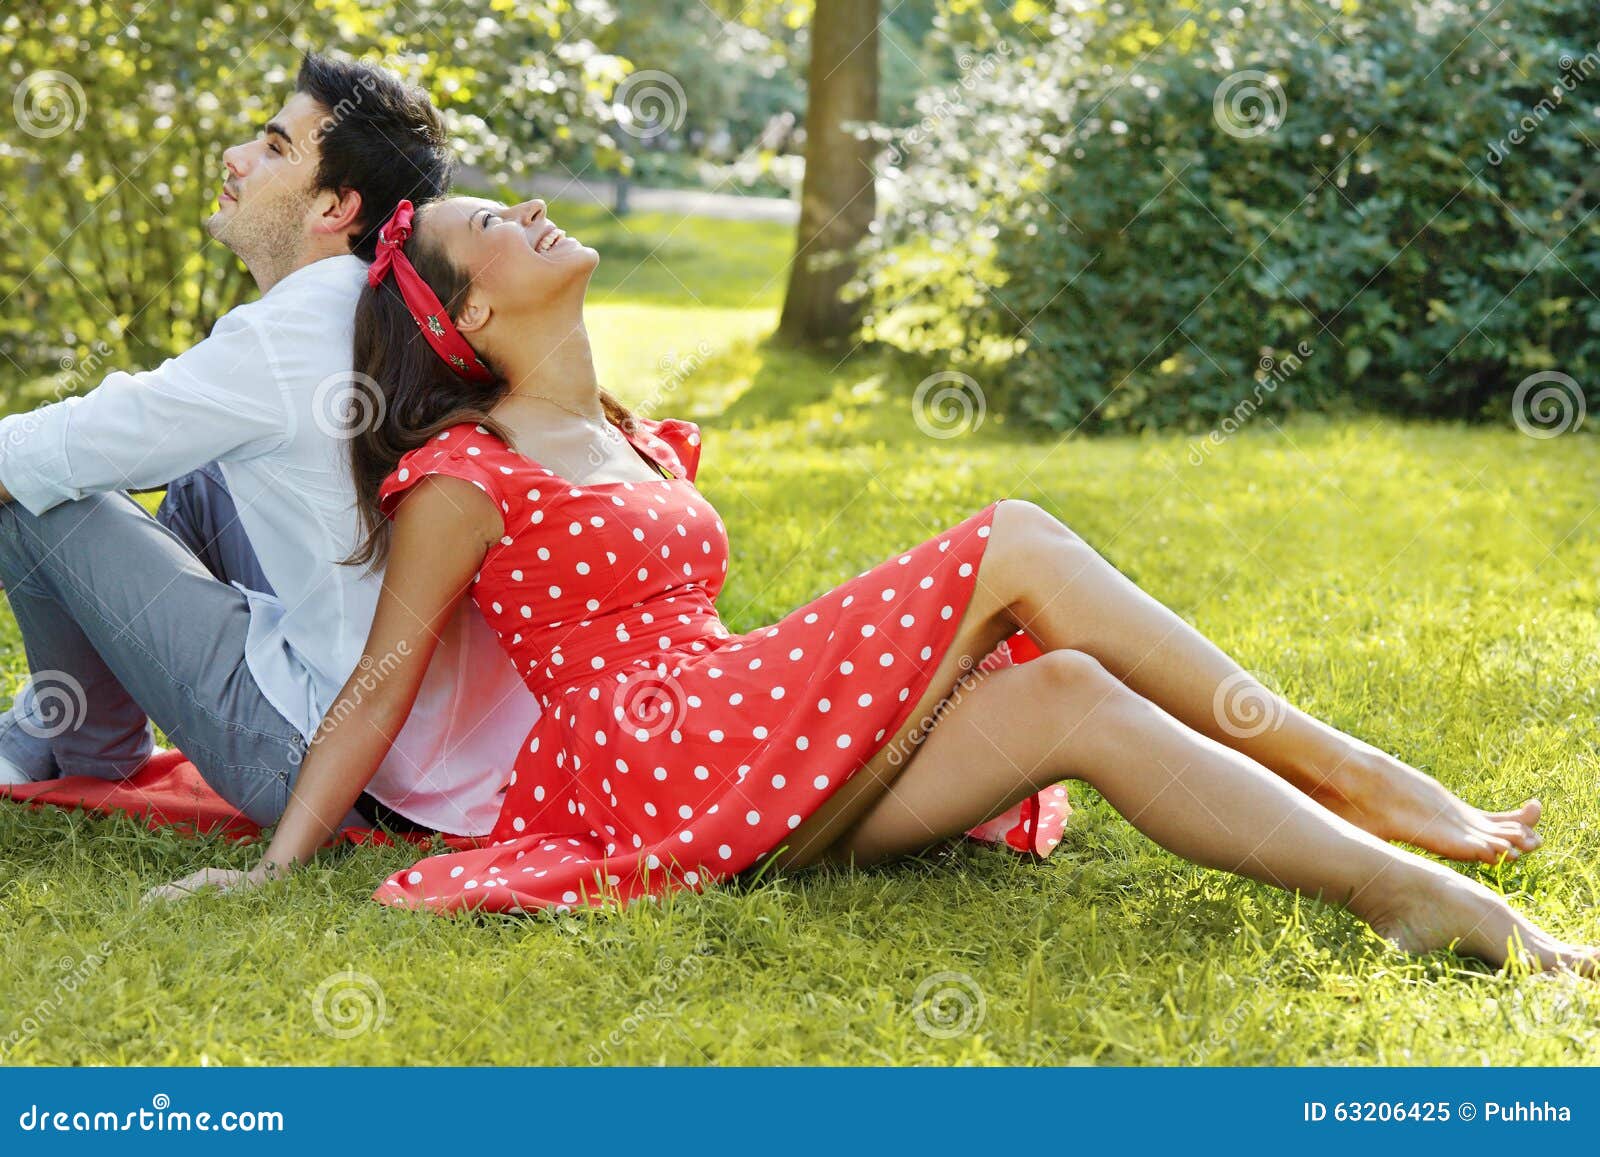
(344, 265)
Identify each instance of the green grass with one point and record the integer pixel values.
(1430, 588)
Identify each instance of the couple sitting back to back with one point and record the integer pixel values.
(349, 626)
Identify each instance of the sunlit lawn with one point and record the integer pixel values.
(1432, 589)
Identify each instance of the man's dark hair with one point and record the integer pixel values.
(379, 136)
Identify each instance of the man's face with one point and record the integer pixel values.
(264, 207)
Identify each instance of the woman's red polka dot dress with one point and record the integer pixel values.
(669, 752)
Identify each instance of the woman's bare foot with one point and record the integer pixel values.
(1432, 907)
(1381, 795)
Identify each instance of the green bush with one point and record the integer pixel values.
(114, 155)
(1166, 211)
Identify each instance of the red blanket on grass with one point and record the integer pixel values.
(167, 792)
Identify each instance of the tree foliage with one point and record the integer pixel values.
(1144, 215)
(122, 116)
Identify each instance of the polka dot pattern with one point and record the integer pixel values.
(670, 753)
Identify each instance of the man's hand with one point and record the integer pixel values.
(222, 879)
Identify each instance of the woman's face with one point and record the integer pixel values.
(518, 261)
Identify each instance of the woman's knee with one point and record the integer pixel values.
(1069, 678)
(1031, 549)
(1081, 705)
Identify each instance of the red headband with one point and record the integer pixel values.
(423, 303)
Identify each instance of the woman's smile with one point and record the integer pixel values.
(549, 239)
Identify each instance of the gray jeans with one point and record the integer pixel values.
(128, 620)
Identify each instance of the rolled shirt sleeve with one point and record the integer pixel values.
(220, 399)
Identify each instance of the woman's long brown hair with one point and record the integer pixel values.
(409, 392)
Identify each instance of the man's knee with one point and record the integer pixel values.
(25, 535)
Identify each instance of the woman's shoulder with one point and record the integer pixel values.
(467, 451)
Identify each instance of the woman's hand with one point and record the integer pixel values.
(442, 532)
(441, 535)
(222, 879)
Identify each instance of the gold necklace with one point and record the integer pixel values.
(610, 428)
(600, 421)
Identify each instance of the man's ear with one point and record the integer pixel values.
(474, 315)
(336, 213)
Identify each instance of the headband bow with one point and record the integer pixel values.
(424, 304)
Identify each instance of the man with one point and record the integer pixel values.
(231, 623)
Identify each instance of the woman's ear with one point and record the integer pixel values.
(474, 315)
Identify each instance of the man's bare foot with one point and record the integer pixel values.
(1381, 795)
(1436, 908)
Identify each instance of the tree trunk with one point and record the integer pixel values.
(837, 200)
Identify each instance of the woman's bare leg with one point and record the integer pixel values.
(1064, 716)
(982, 627)
(1066, 596)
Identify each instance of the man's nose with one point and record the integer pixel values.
(233, 160)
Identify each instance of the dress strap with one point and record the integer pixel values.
(671, 442)
(650, 456)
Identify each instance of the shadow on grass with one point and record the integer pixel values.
(869, 395)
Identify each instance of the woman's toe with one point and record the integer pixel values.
(1583, 960)
(1528, 814)
(1518, 835)
(1480, 848)
(1496, 848)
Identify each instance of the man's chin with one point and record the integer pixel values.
(217, 224)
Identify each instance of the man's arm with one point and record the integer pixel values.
(138, 431)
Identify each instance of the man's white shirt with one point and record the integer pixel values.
(266, 396)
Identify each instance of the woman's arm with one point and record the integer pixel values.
(442, 531)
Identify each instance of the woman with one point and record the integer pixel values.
(859, 727)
